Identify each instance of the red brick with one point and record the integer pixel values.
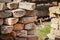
(9, 35)
(18, 26)
(32, 37)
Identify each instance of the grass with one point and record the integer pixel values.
(42, 33)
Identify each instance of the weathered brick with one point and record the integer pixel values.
(32, 37)
(5, 14)
(27, 5)
(28, 19)
(11, 21)
(6, 29)
(18, 26)
(31, 32)
(5, 1)
(18, 12)
(30, 26)
(1, 21)
(2, 6)
(9, 35)
(22, 33)
(12, 5)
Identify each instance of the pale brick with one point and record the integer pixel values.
(27, 5)
(30, 26)
(11, 21)
(18, 12)
(2, 6)
(54, 21)
(6, 29)
(28, 19)
(5, 14)
(12, 5)
(1, 21)
(18, 27)
(17, 0)
(54, 26)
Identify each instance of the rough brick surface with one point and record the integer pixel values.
(18, 26)
(2, 6)
(9, 35)
(22, 38)
(31, 32)
(1, 21)
(32, 37)
(30, 26)
(12, 5)
(27, 6)
(11, 21)
(6, 29)
(22, 33)
(5, 14)
(17, 0)
(18, 12)
(28, 19)
(5, 1)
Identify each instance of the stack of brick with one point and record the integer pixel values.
(55, 25)
(15, 21)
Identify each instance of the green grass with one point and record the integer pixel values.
(41, 33)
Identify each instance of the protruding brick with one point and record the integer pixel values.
(22, 33)
(1, 21)
(5, 14)
(9, 35)
(5, 1)
(11, 21)
(18, 12)
(12, 5)
(6, 29)
(30, 26)
(28, 19)
(27, 5)
(18, 26)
